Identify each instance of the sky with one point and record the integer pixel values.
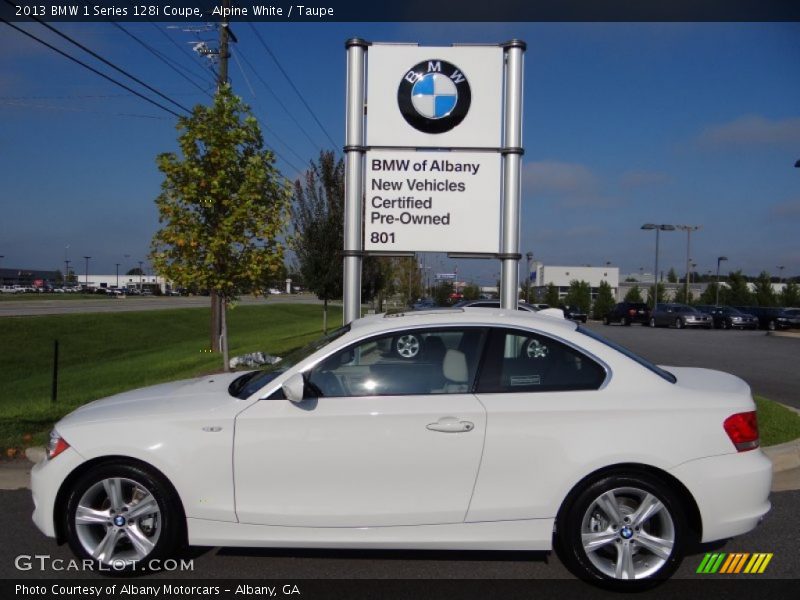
(624, 124)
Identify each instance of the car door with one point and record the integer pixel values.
(541, 397)
(383, 439)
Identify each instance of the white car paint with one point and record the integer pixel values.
(367, 472)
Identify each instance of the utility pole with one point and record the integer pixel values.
(688, 229)
(87, 271)
(219, 338)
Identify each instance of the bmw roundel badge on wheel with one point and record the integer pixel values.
(434, 96)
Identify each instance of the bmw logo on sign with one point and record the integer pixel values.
(434, 96)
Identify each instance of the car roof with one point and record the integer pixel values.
(496, 317)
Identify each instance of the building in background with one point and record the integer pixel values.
(543, 275)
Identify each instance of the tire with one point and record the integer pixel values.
(725, 324)
(625, 322)
(678, 323)
(652, 322)
(772, 325)
(109, 536)
(407, 346)
(606, 321)
(601, 540)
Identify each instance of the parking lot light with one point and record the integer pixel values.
(719, 260)
(658, 228)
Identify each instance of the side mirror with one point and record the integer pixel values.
(293, 388)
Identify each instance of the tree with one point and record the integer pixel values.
(790, 296)
(441, 293)
(551, 296)
(318, 237)
(408, 279)
(471, 292)
(376, 273)
(738, 293)
(672, 276)
(660, 293)
(634, 295)
(764, 294)
(709, 295)
(222, 206)
(579, 295)
(604, 301)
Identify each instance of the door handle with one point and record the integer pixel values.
(451, 425)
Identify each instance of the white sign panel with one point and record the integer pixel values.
(435, 97)
(432, 201)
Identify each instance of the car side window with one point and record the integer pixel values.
(421, 361)
(522, 361)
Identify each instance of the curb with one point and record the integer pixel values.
(787, 334)
(784, 456)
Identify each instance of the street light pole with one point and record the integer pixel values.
(529, 256)
(141, 262)
(86, 278)
(719, 260)
(780, 277)
(659, 229)
(117, 275)
(688, 229)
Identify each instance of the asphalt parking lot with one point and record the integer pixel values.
(768, 363)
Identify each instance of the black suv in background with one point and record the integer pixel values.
(626, 313)
(773, 318)
(573, 313)
(728, 317)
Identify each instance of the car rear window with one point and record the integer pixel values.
(663, 373)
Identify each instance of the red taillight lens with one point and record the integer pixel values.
(632, 312)
(742, 428)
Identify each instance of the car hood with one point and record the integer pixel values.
(202, 395)
(708, 380)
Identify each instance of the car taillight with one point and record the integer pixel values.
(56, 445)
(632, 311)
(742, 429)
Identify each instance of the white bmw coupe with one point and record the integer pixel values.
(469, 428)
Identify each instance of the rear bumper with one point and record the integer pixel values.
(731, 491)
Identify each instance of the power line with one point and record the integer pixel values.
(263, 121)
(279, 101)
(161, 57)
(291, 83)
(107, 62)
(90, 68)
(23, 104)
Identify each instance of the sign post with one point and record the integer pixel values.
(354, 179)
(442, 149)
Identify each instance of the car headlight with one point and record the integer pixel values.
(736, 318)
(56, 445)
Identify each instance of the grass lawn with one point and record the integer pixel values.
(104, 354)
(776, 423)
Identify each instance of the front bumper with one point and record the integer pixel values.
(46, 479)
(731, 491)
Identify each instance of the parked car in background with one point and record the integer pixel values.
(679, 316)
(573, 313)
(626, 313)
(424, 304)
(728, 317)
(774, 318)
(11, 289)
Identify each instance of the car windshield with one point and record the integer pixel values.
(248, 384)
(633, 356)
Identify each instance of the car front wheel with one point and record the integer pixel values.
(652, 322)
(678, 323)
(623, 532)
(123, 517)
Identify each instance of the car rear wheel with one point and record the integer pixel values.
(626, 321)
(678, 323)
(625, 532)
(652, 322)
(772, 326)
(606, 321)
(122, 517)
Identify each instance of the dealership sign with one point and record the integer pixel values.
(432, 201)
(433, 151)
